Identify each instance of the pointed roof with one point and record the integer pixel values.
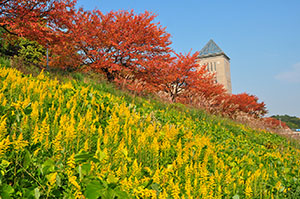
(211, 49)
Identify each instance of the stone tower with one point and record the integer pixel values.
(217, 62)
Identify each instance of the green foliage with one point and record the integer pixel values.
(31, 51)
(8, 48)
(77, 76)
(4, 61)
(292, 121)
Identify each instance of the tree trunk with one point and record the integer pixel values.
(109, 75)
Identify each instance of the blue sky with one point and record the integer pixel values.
(262, 38)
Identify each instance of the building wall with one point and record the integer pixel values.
(221, 66)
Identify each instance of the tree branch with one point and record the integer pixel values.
(8, 31)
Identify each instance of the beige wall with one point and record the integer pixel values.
(221, 66)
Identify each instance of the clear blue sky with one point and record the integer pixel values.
(262, 38)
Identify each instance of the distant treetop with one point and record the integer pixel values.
(292, 121)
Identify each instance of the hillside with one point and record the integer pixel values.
(292, 122)
(76, 140)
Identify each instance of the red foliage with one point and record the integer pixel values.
(243, 103)
(42, 20)
(181, 78)
(118, 44)
(274, 123)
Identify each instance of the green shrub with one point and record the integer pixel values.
(4, 61)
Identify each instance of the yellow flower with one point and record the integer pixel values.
(4, 144)
(4, 102)
(72, 180)
(163, 195)
(19, 144)
(70, 133)
(52, 178)
(135, 168)
(113, 126)
(57, 142)
(144, 193)
(155, 145)
(248, 190)
(175, 190)
(188, 187)
(36, 135)
(156, 176)
(17, 105)
(126, 183)
(41, 76)
(86, 145)
(105, 139)
(71, 161)
(148, 119)
(2, 126)
(278, 186)
(100, 132)
(67, 85)
(35, 153)
(275, 174)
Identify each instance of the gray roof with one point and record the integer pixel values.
(211, 49)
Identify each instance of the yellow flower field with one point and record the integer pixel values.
(76, 141)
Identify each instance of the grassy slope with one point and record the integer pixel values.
(78, 139)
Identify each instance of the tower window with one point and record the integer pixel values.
(215, 66)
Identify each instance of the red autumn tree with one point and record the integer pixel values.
(274, 123)
(118, 44)
(244, 103)
(181, 78)
(41, 20)
(81, 43)
(131, 43)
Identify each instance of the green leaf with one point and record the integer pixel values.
(149, 183)
(286, 170)
(58, 180)
(27, 110)
(18, 116)
(27, 159)
(4, 164)
(236, 196)
(101, 155)
(48, 166)
(156, 187)
(80, 172)
(93, 190)
(83, 157)
(7, 191)
(109, 193)
(95, 160)
(121, 194)
(282, 189)
(85, 169)
(37, 193)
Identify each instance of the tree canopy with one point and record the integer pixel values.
(129, 49)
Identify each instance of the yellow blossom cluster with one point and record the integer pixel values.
(148, 152)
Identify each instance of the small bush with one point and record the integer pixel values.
(4, 61)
